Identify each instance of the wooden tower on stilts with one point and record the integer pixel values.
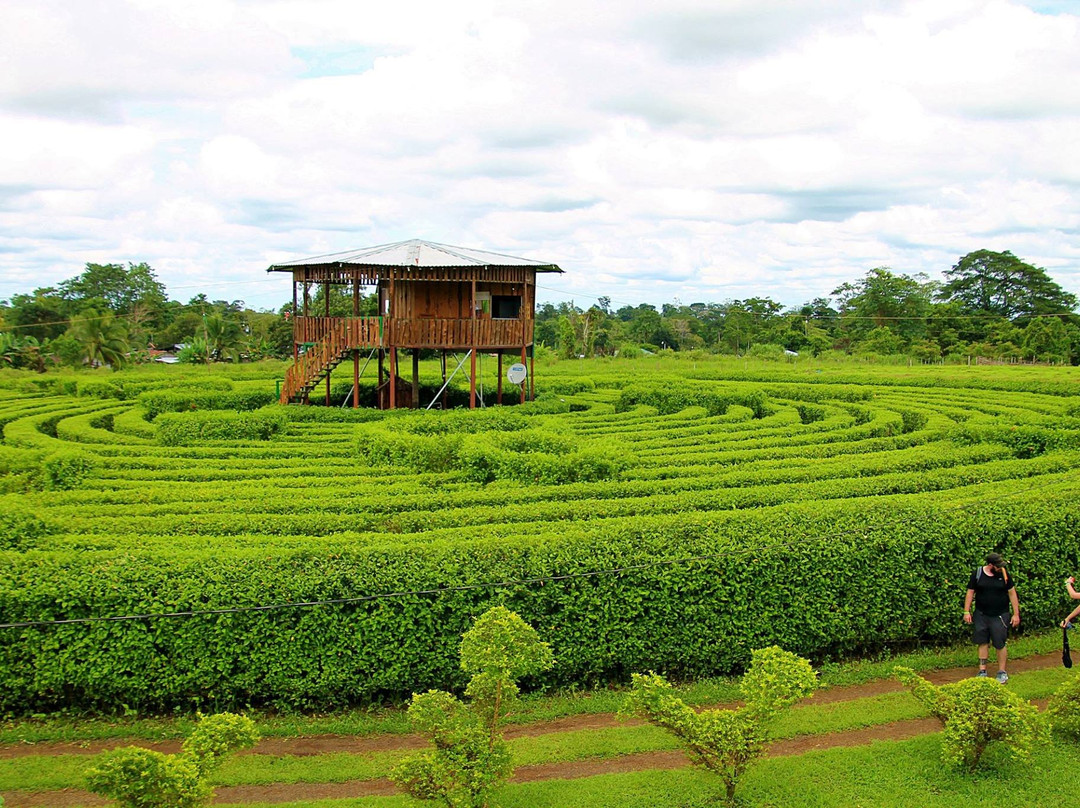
(430, 297)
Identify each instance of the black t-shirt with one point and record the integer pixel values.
(991, 591)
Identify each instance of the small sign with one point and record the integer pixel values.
(516, 373)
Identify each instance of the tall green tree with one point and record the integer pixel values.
(115, 287)
(999, 283)
(882, 298)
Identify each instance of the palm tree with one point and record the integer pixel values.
(103, 338)
(223, 337)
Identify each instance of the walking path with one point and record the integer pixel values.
(560, 770)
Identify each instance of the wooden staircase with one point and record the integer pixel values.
(340, 339)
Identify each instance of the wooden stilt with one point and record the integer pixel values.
(393, 378)
(378, 386)
(472, 379)
(444, 393)
(523, 383)
(472, 354)
(415, 378)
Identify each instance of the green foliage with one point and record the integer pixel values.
(670, 396)
(486, 446)
(469, 758)
(66, 469)
(975, 713)
(142, 778)
(20, 528)
(159, 401)
(188, 428)
(1064, 709)
(216, 736)
(726, 742)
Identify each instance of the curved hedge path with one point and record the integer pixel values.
(667, 516)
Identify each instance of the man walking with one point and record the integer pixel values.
(992, 589)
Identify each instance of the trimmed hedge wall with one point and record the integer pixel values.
(831, 579)
(185, 428)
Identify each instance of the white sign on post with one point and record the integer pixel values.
(516, 373)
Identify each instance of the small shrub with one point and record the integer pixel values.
(1064, 709)
(65, 470)
(809, 413)
(726, 742)
(469, 758)
(975, 713)
(20, 528)
(143, 778)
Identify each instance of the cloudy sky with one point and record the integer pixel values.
(691, 150)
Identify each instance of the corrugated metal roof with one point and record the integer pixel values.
(417, 253)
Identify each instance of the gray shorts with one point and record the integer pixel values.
(990, 629)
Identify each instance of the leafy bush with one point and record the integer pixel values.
(674, 395)
(1064, 708)
(809, 413)
(975, 713)
(184, 429)
(470, 758)
(66, 469)
(726, 742)
(142, 778)
(159, 401)
(20, 528)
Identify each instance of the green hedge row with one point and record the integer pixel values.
(669, 396)
(820, 579)
(186, 428)
(158, 401)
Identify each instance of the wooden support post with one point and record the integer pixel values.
(472, 354)
(415, 378)
(378, 386)
(356, 379)
(444, 393)
(393, 378)
(295, 324)
(356, 350)
(472, 379)
(523, 383)
(498, 387)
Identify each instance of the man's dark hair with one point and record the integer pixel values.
(995, 559)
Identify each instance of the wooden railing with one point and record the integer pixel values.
(363, 332)
(460, 333)
(327, 340)
(340, 336)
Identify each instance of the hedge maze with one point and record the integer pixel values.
(670, 518)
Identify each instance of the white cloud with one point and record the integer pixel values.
(701, 149)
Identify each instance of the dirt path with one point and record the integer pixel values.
(566, 770)
(325, 744)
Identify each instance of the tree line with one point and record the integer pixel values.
(990, 304)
